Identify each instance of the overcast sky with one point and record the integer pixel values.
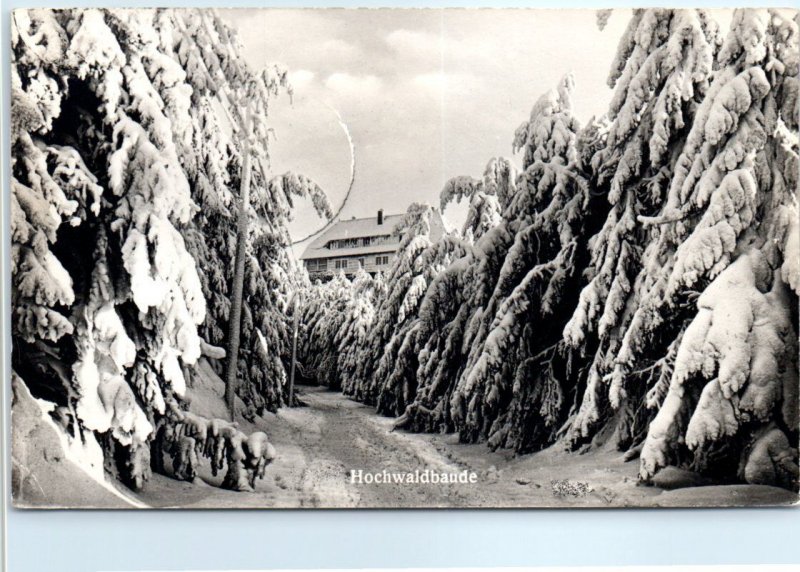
(425, 94)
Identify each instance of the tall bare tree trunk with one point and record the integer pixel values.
(294, 346)
(237, 289)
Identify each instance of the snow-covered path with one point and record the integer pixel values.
(320, 444)
(348, 436)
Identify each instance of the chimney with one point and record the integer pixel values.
(380, 216)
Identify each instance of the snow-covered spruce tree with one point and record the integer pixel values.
(271, 275)
(107, 307)
(386, 362)
(414, 230)
(336, 318)
(730, 231)
(409, 347)
(514, 390)
(221, 80)
(456, 291)
(50, 185)
(453, 300)
(322, 315)
(487, 197)
(465, 305)
(397, 369)
(660, 75)
(359, 315)
(136, 299)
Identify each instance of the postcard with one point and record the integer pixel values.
(404, 258)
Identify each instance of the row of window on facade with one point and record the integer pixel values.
(361, 241)
(321, 265)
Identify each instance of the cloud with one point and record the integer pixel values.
(415, 43)
(301, 78)
(353, 85)
(426, 94)
(441, 82)
(440, 49)
(436, 82)
(338, 49)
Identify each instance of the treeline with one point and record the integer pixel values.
(128, 133)
(636, 282)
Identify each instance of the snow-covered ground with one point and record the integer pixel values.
(319, 445)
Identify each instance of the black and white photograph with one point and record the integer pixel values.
(404, 258)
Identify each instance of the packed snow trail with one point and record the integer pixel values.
(320, 444)
(317, 447)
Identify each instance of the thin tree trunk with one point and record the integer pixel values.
(294, 347)
(237, 289)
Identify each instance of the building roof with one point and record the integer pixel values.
(357, 228)
(363, 227)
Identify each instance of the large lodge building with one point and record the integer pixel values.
(368, 243)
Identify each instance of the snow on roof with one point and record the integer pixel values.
(363, 227)
(357, 228)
